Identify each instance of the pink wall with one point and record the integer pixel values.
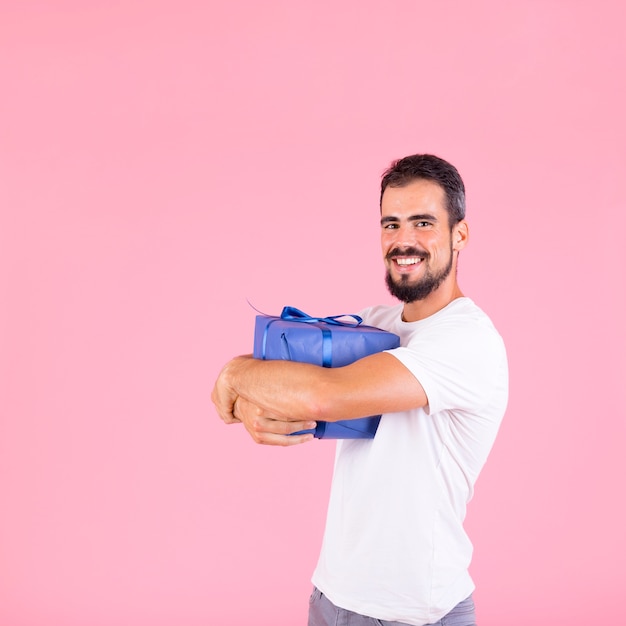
(162, 162)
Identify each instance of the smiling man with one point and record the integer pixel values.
(394, 550)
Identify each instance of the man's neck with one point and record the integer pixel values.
(437, 300)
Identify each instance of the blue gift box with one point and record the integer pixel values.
(329, 342)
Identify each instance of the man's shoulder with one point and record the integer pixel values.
(466, 312)
(463, 307)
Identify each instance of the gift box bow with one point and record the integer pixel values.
(291, 313)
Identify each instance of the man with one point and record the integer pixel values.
(394, 549)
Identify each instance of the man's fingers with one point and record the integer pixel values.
(278, 427)
(266, 428)
(272, 439)
(273, 432)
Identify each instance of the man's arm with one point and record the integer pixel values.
(275, 392)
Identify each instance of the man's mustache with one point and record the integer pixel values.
(407, 252)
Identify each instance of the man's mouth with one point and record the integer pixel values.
(407, 256)
(409, 260)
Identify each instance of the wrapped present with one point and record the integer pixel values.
(329, 342)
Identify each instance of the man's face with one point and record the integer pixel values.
(416, 239)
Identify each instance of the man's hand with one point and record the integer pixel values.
(224, 395)
(268, 429)
(262, 425)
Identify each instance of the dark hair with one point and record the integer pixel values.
(428, 167)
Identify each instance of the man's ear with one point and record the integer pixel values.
(460, 235)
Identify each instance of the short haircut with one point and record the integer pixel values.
(404, 171)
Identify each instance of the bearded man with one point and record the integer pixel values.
(394, 549)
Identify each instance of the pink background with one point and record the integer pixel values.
(161, 162)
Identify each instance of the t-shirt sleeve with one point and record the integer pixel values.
(459, 368)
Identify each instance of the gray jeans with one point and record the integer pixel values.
(322, 612)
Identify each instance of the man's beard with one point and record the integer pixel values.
(405, 291)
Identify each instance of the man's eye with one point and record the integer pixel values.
(422, 224)
(390, 226)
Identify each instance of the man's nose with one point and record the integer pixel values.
(405, 236)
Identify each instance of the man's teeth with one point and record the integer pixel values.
(408, 260)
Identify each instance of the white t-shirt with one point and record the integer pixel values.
(394, 546)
